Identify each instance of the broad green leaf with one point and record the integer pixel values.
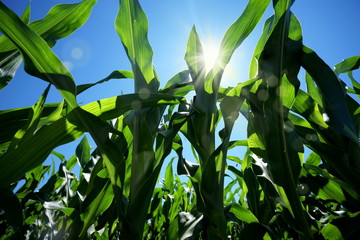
(14, 119)
(333, 187)
(34, 118)
(231, 104)
(55, 115)
(179, 85)
(169, 176)
(233, 38)
(312, 90)
(10, 59)
(240, 30)
(333, 156)
(252, 192)
(97, 206)
(61, 21)
(9, 63)
(243, 214)
(39, 60)
(132, 26)
(253, 72)
(356, 85)
(194, 58)
(347, 65)
(186, 226)
(288, 90)
(313, 159)
(334, 102)
(331, 232)
(309, 109)
(83, 152)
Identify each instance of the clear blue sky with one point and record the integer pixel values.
(330, 27)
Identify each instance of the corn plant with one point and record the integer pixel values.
(273, 192)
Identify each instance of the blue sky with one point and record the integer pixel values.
(330, 27)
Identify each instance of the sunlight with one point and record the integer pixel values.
(234, 71)
(210, 54)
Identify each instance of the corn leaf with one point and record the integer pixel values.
(38, 59)
(194, 58)
(83, 152)
(96, 207)
(243, 214)
(335, 105)
(14, 119)
(347, 65)
(34, 118)
(61, 21)
(118, 74)
(131, 25)
(10, 59)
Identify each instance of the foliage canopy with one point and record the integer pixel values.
(274, 193)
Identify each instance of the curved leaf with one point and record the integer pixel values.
(61, 21)
(334, 101)
(10, 59)
(39, 60)
(131, 25)
(347, 65)
(118, 74)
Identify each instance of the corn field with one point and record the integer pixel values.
(275, 191)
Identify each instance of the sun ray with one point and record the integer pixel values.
(210, 54)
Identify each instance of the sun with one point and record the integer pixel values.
(210, 51)
(234, 70)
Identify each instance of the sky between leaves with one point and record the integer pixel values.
(330, 27)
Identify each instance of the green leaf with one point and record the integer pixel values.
(240, 30)
(169, 176)
(331, 232)
(355, 84)
(243, 214)
(179, 85)
(14, 119)
(132, 26)
(97, 206)
(61, 21)
(10, 59)
(347, 65)
(83, 152)
(186, 226)
(34, 118)
(309, 109)
(194, 58)
(39, 60)
(312, 90)
(334, 101)
(253, 72)
(118, 74)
